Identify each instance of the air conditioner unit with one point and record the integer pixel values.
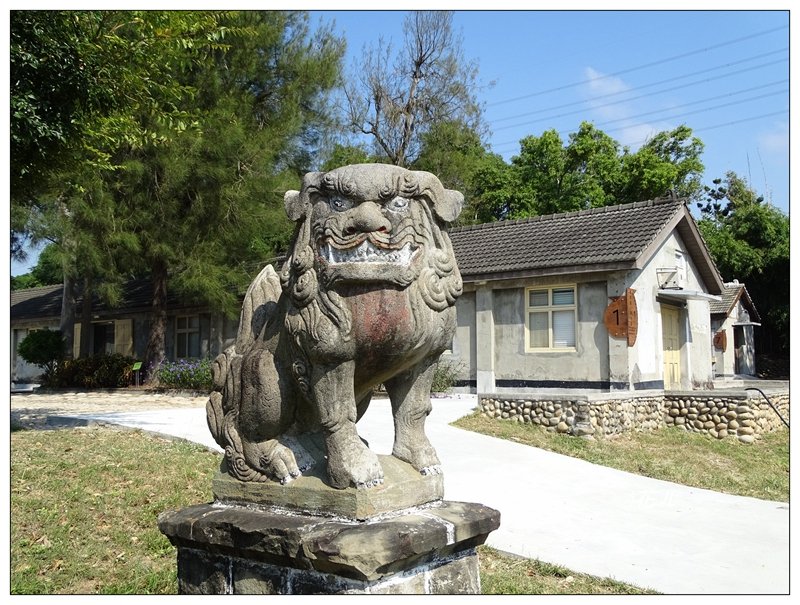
(669, 278)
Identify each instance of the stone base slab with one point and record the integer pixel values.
(226, 549)
(403, 487)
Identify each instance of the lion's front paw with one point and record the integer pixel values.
(273, 459)
(424, 458)
(352, 464)
(436, 469)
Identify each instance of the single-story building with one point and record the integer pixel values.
(608, 299)
(192, 330)
(733, 319)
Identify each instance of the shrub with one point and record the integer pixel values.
(194, 374)
(100, 371)
(445, 376)
(44, 348)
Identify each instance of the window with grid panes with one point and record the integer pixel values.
(187, 337)
(551, 317)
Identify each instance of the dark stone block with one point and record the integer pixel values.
(199, 573)
(245, 550)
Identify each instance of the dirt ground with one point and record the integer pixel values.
(31, 410)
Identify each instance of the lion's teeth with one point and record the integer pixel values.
(367, 253)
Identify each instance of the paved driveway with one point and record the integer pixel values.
(588, 518)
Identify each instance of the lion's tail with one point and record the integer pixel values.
(259, 308)
(259, 312)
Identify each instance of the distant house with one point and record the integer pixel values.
(607, 299)
(192, 330)
(733, 319)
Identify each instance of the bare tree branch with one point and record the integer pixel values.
(429, 82)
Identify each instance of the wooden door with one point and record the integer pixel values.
(671, 338)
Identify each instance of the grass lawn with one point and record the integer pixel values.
(759, 470)
(84, 504)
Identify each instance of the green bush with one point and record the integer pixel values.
(445, 376)
(44, 348)
(194, 374)
(100, 371)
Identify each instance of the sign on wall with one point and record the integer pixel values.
(721, 341)
(621, 317)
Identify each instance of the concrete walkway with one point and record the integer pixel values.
(654, 534)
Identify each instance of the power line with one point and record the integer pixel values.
(680, 115)
(732, 123)
(644, 66)
(569, 113)
(701, 129)
(702, 71)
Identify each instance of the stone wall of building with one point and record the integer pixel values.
(740, 414)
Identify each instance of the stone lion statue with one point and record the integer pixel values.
(366, 297)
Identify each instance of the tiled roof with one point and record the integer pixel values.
(45, 301)
(731, 294)
(599, 236)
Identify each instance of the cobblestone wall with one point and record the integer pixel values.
(737, 414)
(744, 416)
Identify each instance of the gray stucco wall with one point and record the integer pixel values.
(587, 363)
(463, 350)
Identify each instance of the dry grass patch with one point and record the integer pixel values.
(759, 470)
(507, 574)
(84, 504)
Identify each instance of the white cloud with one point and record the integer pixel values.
(599, 84)
(605, 96)
(776, 140)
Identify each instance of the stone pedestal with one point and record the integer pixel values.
(306, 537)
(403, 487)
(240, 549)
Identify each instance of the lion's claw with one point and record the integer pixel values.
(368, 484)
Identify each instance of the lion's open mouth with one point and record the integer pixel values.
(366, 252)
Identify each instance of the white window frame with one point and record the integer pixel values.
(549, 309)
(680, 265)
(184, 333)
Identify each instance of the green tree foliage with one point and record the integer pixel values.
(44, 348)
(214, 116)
(344, 155)
(80, 80)
(395, 98)
(48, 270)
(202, 209)
(749, 241)
(455, 152)
(670, 161)
(592, 170)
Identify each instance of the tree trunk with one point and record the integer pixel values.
(156, 341)
(67, 323)
(86, 318)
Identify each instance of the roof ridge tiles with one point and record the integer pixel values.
(561, 215)
(46, 287)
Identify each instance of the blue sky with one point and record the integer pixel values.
(725, 74)
(632, 73)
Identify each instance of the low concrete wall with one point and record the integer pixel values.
(741, 414)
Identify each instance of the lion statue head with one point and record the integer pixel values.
(371, 223)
